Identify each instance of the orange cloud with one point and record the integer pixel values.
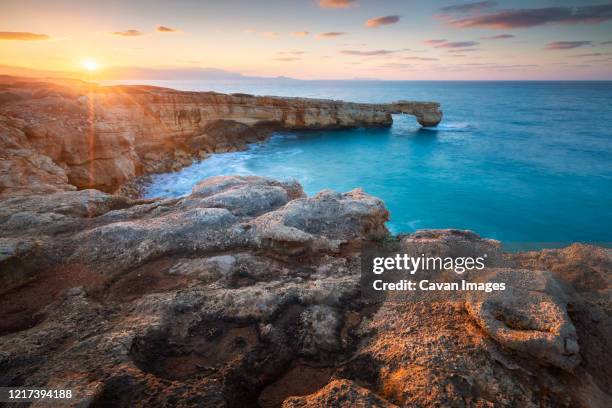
(270, 34)
(378, 21)
(300, 33)
(286, 59)
(128, 33)
(337, 3)
(165, 29)
(22, 36)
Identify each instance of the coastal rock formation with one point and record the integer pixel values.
(530, 316)
(61, 135)
(247, 293)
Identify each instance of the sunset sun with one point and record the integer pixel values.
(90, 65)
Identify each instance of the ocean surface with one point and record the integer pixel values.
(528, 163)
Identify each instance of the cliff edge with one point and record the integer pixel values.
(66, 135)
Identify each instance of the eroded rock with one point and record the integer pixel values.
(247, 292)
(530, 316)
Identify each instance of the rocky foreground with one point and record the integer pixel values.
(63, 135)
(247, 293)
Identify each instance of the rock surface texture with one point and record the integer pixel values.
(247, 293)
(65, 135)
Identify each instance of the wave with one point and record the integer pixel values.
(452, 127)
(180, 183)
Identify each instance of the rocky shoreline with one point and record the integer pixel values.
(67, 135)
(247, 292)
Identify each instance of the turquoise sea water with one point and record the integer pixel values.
(523, 162)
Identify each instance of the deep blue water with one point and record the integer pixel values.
(515, 161)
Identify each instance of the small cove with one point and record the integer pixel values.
(523, 162)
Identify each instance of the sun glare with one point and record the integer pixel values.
(90, 65)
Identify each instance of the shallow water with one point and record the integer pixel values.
(523, 162)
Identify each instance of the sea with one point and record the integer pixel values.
(528, 163)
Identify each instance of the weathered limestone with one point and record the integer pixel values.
(58, 136)
(248, 293)
(530, 316)
(427, 113)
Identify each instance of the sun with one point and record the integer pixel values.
(90, 65)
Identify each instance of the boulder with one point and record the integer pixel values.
(530, 316)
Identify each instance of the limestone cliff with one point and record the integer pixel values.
(58, 136)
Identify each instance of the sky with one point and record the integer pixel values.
(310, 39)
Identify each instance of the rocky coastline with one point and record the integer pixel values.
(67, 135)
(247, 292)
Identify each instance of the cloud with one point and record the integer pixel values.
(594, 54)
(337, 3)
(267, 34)
(457, 44)
(286, 59)
(513, 18)
(292, 52)
(566, 45)
(459, 50)
(469, 7)
(330, 34)
(367, 53)
(420, 59)
(489, 66)
(22, 36)
(378, 21)
(270, 34)
(433, 42)
(606, 42)
(498, 37)
(300, 33)
(128, 33)
(165, 29)
(396, 65)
